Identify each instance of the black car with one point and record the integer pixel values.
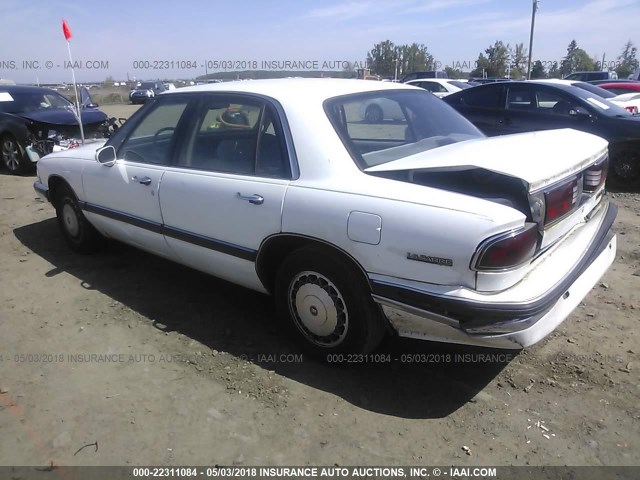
(483, 80)
(146, 91)
(590, 76)
(514, 107)
(34, 120)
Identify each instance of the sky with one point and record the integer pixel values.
(120, 38)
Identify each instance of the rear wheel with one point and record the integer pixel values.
(76, 229)
(13, 155)
(326, 304)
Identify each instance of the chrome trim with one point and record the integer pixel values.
(450, 322)
(592, 161)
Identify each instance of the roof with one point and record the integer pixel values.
(317, 89)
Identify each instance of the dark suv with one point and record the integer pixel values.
(589, 76)
(145, 91)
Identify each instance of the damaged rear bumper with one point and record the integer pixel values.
(466, 317)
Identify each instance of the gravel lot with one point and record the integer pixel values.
(159, 364)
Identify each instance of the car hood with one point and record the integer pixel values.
(538, 158)
(61, 116)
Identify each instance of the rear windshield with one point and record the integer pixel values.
(383, 126)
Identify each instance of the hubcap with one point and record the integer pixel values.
(318, 309)
(10, 154)
(628, 165)
(70, 220)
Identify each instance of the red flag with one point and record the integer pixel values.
(66, 30)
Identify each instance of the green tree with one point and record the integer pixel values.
(495, 63)
(410, 58)
(554, 71)
(454, 72)
(382, 57)
(413, 58)
(576, 60)
(537, 70)
(519, 60)
(628, 60)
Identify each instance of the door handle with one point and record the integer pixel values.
(505, 121)
(142, 180)
(254, 199)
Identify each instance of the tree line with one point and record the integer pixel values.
(498, 60)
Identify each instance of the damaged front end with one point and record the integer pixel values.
(46, 138)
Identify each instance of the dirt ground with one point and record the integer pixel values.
(154, 363)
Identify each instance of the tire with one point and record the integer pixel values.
(14, 157)
(624, 170)
(326, 305)
(79, 234)
(373, 114)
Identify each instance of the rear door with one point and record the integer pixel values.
(484, 107)
(224, 194)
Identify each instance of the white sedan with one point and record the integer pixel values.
(440, 87)
(420, 227)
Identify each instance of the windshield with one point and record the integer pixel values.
(600, 104)
(30, 101)
(383, 126)
(147, 86)
(595, 90)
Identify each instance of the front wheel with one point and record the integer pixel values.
(327, 305)
(76, 229)
(13, 155)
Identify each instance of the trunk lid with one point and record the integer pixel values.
(539, 159)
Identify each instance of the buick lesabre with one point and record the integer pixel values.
(418, 225)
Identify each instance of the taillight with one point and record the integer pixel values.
(595, 176)
(508, 250)
(632, 109)
(560, 201)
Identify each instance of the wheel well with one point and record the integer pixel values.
(275, 249)
(57, 185)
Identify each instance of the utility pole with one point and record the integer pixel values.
(533, 23)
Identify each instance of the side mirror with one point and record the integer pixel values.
(579, 113)
(106, 155)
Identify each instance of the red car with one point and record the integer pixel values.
(619, 88)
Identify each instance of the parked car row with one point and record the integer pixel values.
(502, 108)
(515, 107)
(417, 225)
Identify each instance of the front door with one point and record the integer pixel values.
(122, 199)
